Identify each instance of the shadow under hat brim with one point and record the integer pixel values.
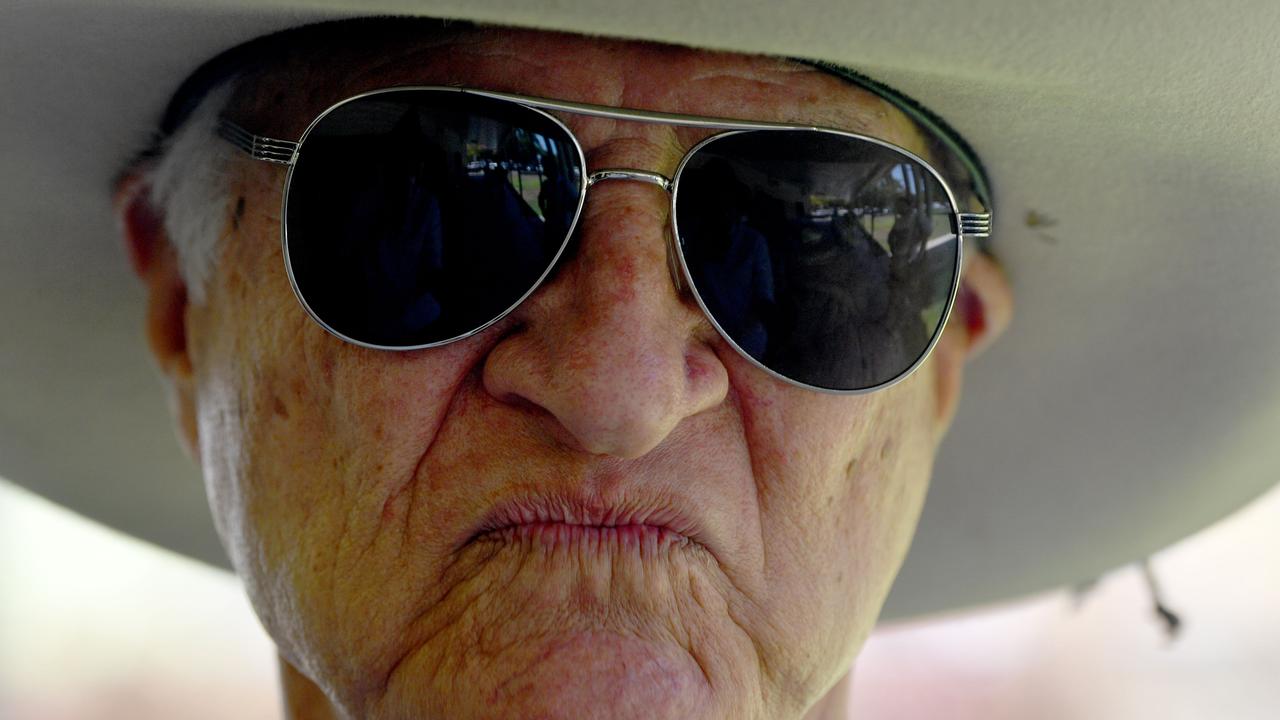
(1134, 400)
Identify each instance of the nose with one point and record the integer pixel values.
(609, 348)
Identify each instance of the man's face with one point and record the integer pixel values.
(349, 485)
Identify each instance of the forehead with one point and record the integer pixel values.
(282, 98)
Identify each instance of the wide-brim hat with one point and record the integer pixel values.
(1135, 162)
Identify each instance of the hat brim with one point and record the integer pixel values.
(1135, 400)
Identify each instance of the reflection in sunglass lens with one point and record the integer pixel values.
(417, 216)
(826, 258)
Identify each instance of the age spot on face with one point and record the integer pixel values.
(279, 408)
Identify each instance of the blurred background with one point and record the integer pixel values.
(94, 624)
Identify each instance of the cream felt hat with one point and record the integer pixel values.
(1136, 169)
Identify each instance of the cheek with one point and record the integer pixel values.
(886, 486)
(307, 443)
(841, 482)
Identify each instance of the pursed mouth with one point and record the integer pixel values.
(553, 520)
(553, 533)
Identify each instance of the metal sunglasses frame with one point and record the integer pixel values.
(285, 152)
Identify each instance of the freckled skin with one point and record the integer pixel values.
(344, 480)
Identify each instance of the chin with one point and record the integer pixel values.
(578, 675)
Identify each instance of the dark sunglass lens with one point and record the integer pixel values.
(828, 259)
(417, 216)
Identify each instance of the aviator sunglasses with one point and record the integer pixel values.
(417, 216)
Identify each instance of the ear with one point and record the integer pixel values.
(156, 263)
(982, 312)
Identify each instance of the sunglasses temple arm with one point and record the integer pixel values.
(280, 152)
(974, 225)
(973, 229)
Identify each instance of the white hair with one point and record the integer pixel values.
(190, 187)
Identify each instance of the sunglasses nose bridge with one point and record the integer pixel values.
(674, 265)
(654, 178)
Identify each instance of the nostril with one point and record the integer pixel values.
(522, 403)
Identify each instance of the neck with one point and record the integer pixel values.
(304, 701)
(835, 704)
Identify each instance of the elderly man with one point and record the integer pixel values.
(486, 466)
(542, 375)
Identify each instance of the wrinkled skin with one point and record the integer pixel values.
(347, 483)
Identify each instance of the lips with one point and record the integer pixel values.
(553, 534)
(553, 519)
